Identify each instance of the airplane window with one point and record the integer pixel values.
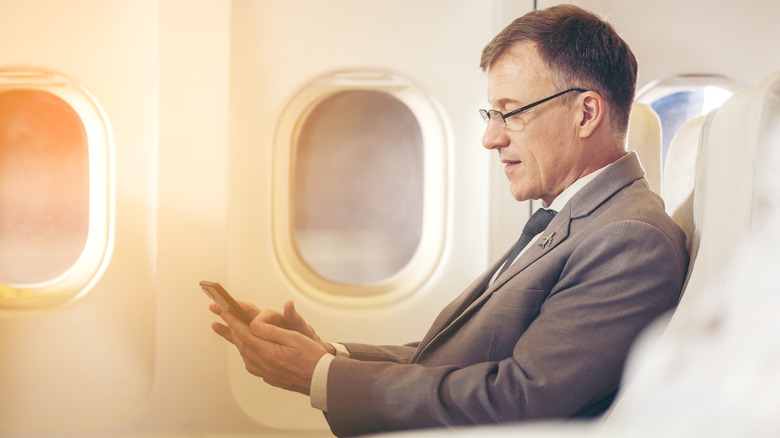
(48, 229)
(681, 98)
(359, 201)
(44, 186)
(358, 187)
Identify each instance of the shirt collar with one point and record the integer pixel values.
(560, 201)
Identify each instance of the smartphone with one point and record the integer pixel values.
(216, 292)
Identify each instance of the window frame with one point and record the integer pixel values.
(81, 277)
(426, 258)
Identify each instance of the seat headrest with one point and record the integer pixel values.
(679, 175)
(644, 137)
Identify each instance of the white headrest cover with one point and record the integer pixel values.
(678, 179)
(644, 137)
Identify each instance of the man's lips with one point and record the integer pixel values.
(510, 164)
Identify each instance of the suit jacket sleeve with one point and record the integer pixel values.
(384, 353)
(607, 289)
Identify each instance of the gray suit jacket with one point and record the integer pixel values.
(548, 339)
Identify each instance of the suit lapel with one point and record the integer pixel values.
(469, 302)
(623, 172)
(550, 238)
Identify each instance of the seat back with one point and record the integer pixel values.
(713, 368)
(734, 143)
(679, 175)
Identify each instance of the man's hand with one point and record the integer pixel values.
(280, 356)
(291, 320)
(282, 349)
(297, 323)
(224, 330)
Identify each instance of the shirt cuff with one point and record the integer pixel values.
(341, 350)
(318, 393)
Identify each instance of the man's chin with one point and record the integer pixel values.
(521, 196)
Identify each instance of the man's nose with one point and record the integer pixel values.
(495, 136)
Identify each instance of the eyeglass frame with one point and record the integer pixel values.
(487, 115)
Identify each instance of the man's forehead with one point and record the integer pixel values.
(516, 76)
(521, 62)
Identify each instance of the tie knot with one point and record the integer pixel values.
(534, 226)
(538, 222)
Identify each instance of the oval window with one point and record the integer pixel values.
(54, 189)
(357, 153)
(44, 186)
(358, 187)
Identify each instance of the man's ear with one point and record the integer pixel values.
(591, 114)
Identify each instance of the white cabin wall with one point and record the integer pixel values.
(191, 393)
(90, 363)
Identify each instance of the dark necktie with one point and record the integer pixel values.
(538, 222)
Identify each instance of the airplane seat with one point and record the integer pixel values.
(731, 151)
(677, 185)
(644, 137)
(714, 357)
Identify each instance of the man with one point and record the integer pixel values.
(547, 337)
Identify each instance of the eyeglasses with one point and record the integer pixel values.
(488, 115)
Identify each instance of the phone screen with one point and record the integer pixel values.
(216, 292)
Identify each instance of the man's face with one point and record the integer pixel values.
(537, 146)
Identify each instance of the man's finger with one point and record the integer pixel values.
(273, 317)
(222, 330)
(239, 327)
(272, 333)
(295, 319)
